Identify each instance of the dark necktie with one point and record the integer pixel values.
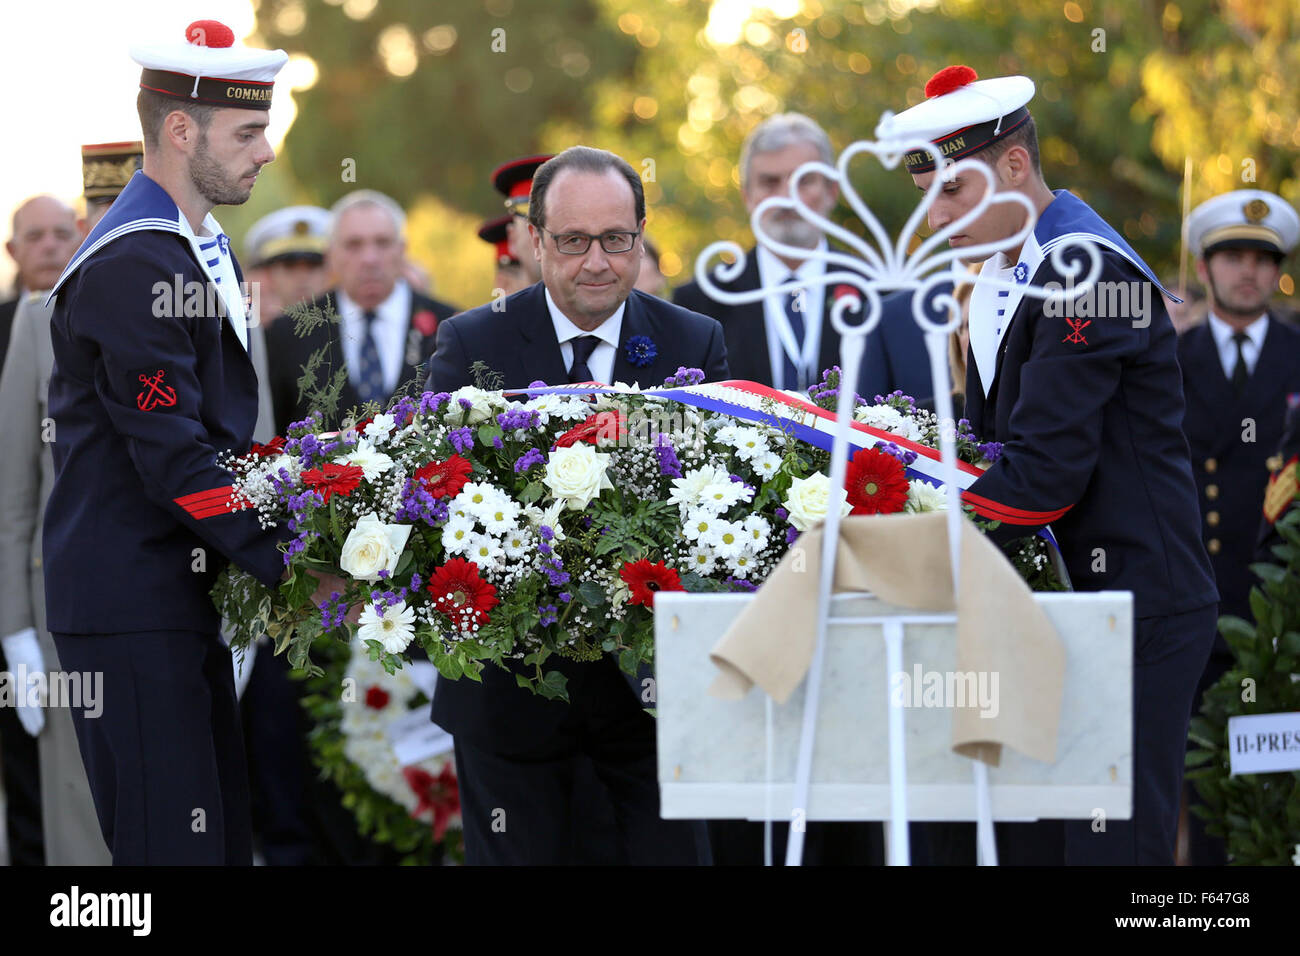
(793, 376)
(1240, 373)
(583, 346)
(370, 373)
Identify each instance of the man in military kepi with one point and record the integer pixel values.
(1090, 415)
(514, 181)
(140, 518)
(286, 252)
(1241, 374)
(509, 275)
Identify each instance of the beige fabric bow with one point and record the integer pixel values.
(903, 559)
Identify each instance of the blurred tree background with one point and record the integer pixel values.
(426, 98)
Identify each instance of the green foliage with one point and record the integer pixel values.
(1257, 815)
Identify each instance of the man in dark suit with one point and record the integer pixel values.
(515, 750)
(1086, 396)
(770, 342)
(1241, 373)
(386, 329)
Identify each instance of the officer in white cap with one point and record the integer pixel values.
(1241, 375)
(1086, 397)
(286, 251)
(152, 380)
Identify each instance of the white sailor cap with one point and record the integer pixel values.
(209, 68)
(961, 115)
(294, 232)
(1243, 219)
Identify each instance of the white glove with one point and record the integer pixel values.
(23, 652)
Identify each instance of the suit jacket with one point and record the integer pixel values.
(745, 326)
(896, 357)
(1230, 471)
(7, 312)
(1094, 446)
(136, 528)
(288, 354)
(519, 342)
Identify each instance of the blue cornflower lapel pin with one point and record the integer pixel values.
(640, 350)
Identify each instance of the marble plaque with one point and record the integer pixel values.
(712, 753)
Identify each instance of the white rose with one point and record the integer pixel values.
(482, 406)
(576, 474)
(923, 496)
(373, 546)
(808, 501)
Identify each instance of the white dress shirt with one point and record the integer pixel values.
(772, 272)
(601, 361)
(1250, 349)
(214, 257)
(391, 319)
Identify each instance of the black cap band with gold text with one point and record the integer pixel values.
(106, 168)
(966, 141)
(210, 91)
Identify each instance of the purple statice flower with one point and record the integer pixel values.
(462, 439)
(565, 597)
(419, 505)
(518, 418)
(328, 447)
(433, 401)
(791, 534)
(544, 548)
(416, 582)
(990, 450)
(548, 613)
(740, 584)
(545, 532)
(555, 572)
(497, 443)
(465, 403)
(309, 449)
(383, 573)
(538, 384)
(529, 458)
(782, 514)
(669, 463)
(902, 454)
(402, 411)
(684, 377)
(586, 522)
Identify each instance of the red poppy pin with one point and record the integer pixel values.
(424, 322)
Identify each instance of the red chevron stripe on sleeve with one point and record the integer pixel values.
(210, 503)
(1009, 515)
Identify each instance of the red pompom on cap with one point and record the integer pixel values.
(950, 78)
(213, 33)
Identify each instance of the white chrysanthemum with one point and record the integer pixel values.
(395, 629)
(923, 496)
(699, 522)
(516, 544)
(560, 407)
(700, 559)
(501, 515)
(371, 462)
(766, 466)
(485, 551)
(742, 565)
(380, 428)
(726, 538)
(748, 442)
(723, 494)
(476, 498)
(757, 529)
(888, 418)
(688, 488)
(457, 534)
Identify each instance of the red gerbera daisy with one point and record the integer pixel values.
(461, 594)
(274, 447)
(445, 479)
(645, 579)
(333, 478)
(876, 483)
(611, 425)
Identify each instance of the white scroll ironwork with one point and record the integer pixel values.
(876, 266)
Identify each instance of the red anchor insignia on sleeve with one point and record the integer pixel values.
(155, 393)
(1076, 336)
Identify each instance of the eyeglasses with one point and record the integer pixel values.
(577, 243)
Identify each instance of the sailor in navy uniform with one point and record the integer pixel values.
(1241, 374)
(152, 381)
(1087, 400)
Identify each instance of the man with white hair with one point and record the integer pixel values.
(771, 342)
(385, 328)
